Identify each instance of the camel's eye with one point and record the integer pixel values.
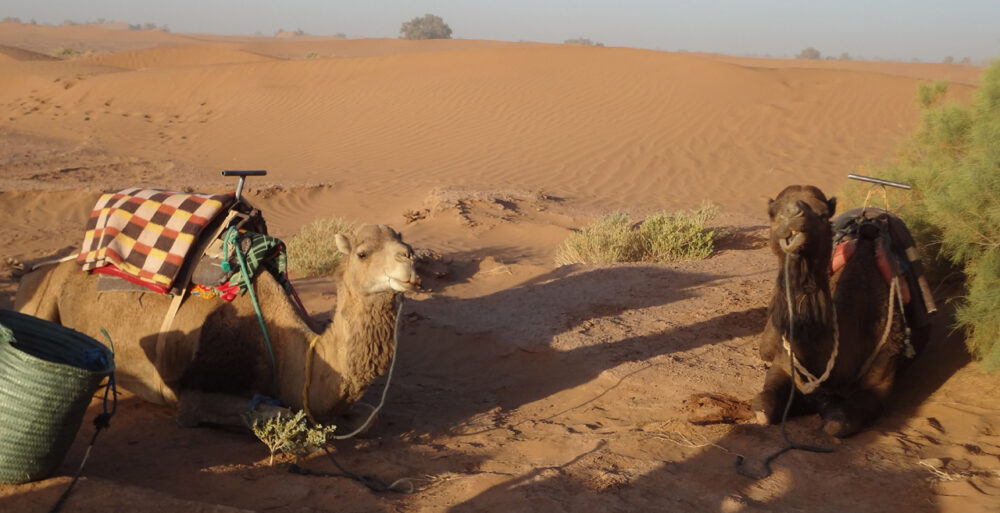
(362, 255)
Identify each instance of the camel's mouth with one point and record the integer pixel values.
(793, 242)
(401, 286)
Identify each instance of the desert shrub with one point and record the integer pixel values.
(66, 52)
(809, 53)
(313, 55)
(313, 251)
(609, 239)
(953, 163)
(662, 237)
(582, 41)
(290, 434)
(930, 94)
(678, 236)
(427, 27)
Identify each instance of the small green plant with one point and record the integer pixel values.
(313, 251)
(609, 239)
(679, 235)
(290, 434)
(930, 94)
(662, 237)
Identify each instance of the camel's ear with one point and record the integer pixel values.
(831, 205)
(343, 243)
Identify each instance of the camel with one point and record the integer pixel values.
(847, 360)
(215, 358)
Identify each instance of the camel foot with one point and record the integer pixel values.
(836, 423)
(763, 409)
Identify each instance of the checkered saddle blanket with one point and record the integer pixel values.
(148, 233)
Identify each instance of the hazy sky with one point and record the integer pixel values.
(900, 29)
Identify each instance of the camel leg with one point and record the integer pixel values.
(769, 405)
(196, 408)
(770, 341)
(846, 417)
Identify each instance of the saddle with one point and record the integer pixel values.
(164, 241)
(896, 255)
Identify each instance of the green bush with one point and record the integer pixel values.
(290, 434)
(953, 163)
(678, 236)
(313, 251)
(662, 237)
(809, 53)
(427, 27)
(609, 239)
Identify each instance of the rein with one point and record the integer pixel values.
(789, 444)
(811, 382)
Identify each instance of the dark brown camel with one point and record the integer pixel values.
(845, 359)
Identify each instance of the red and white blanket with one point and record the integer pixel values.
(147, 233)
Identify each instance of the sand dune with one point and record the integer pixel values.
(628, 128)
(176, 57)
(11, 53)
(95, 38)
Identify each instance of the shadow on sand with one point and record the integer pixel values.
(703, 477)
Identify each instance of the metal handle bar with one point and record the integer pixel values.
(879, 181)
(243, 174)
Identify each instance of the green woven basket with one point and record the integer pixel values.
(48, 375)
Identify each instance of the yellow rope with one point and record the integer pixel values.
(305, 387)
(885, 197)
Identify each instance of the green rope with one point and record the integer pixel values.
(234, 234)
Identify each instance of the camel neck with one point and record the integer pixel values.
(809, 330)
(355, 349)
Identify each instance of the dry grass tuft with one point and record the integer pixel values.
(313, 251)
(662, 237)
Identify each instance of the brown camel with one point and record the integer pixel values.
(846, 361)
(215, 358)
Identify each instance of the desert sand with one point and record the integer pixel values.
(522, 386)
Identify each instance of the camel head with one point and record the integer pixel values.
(800, 222)
(377, 260)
